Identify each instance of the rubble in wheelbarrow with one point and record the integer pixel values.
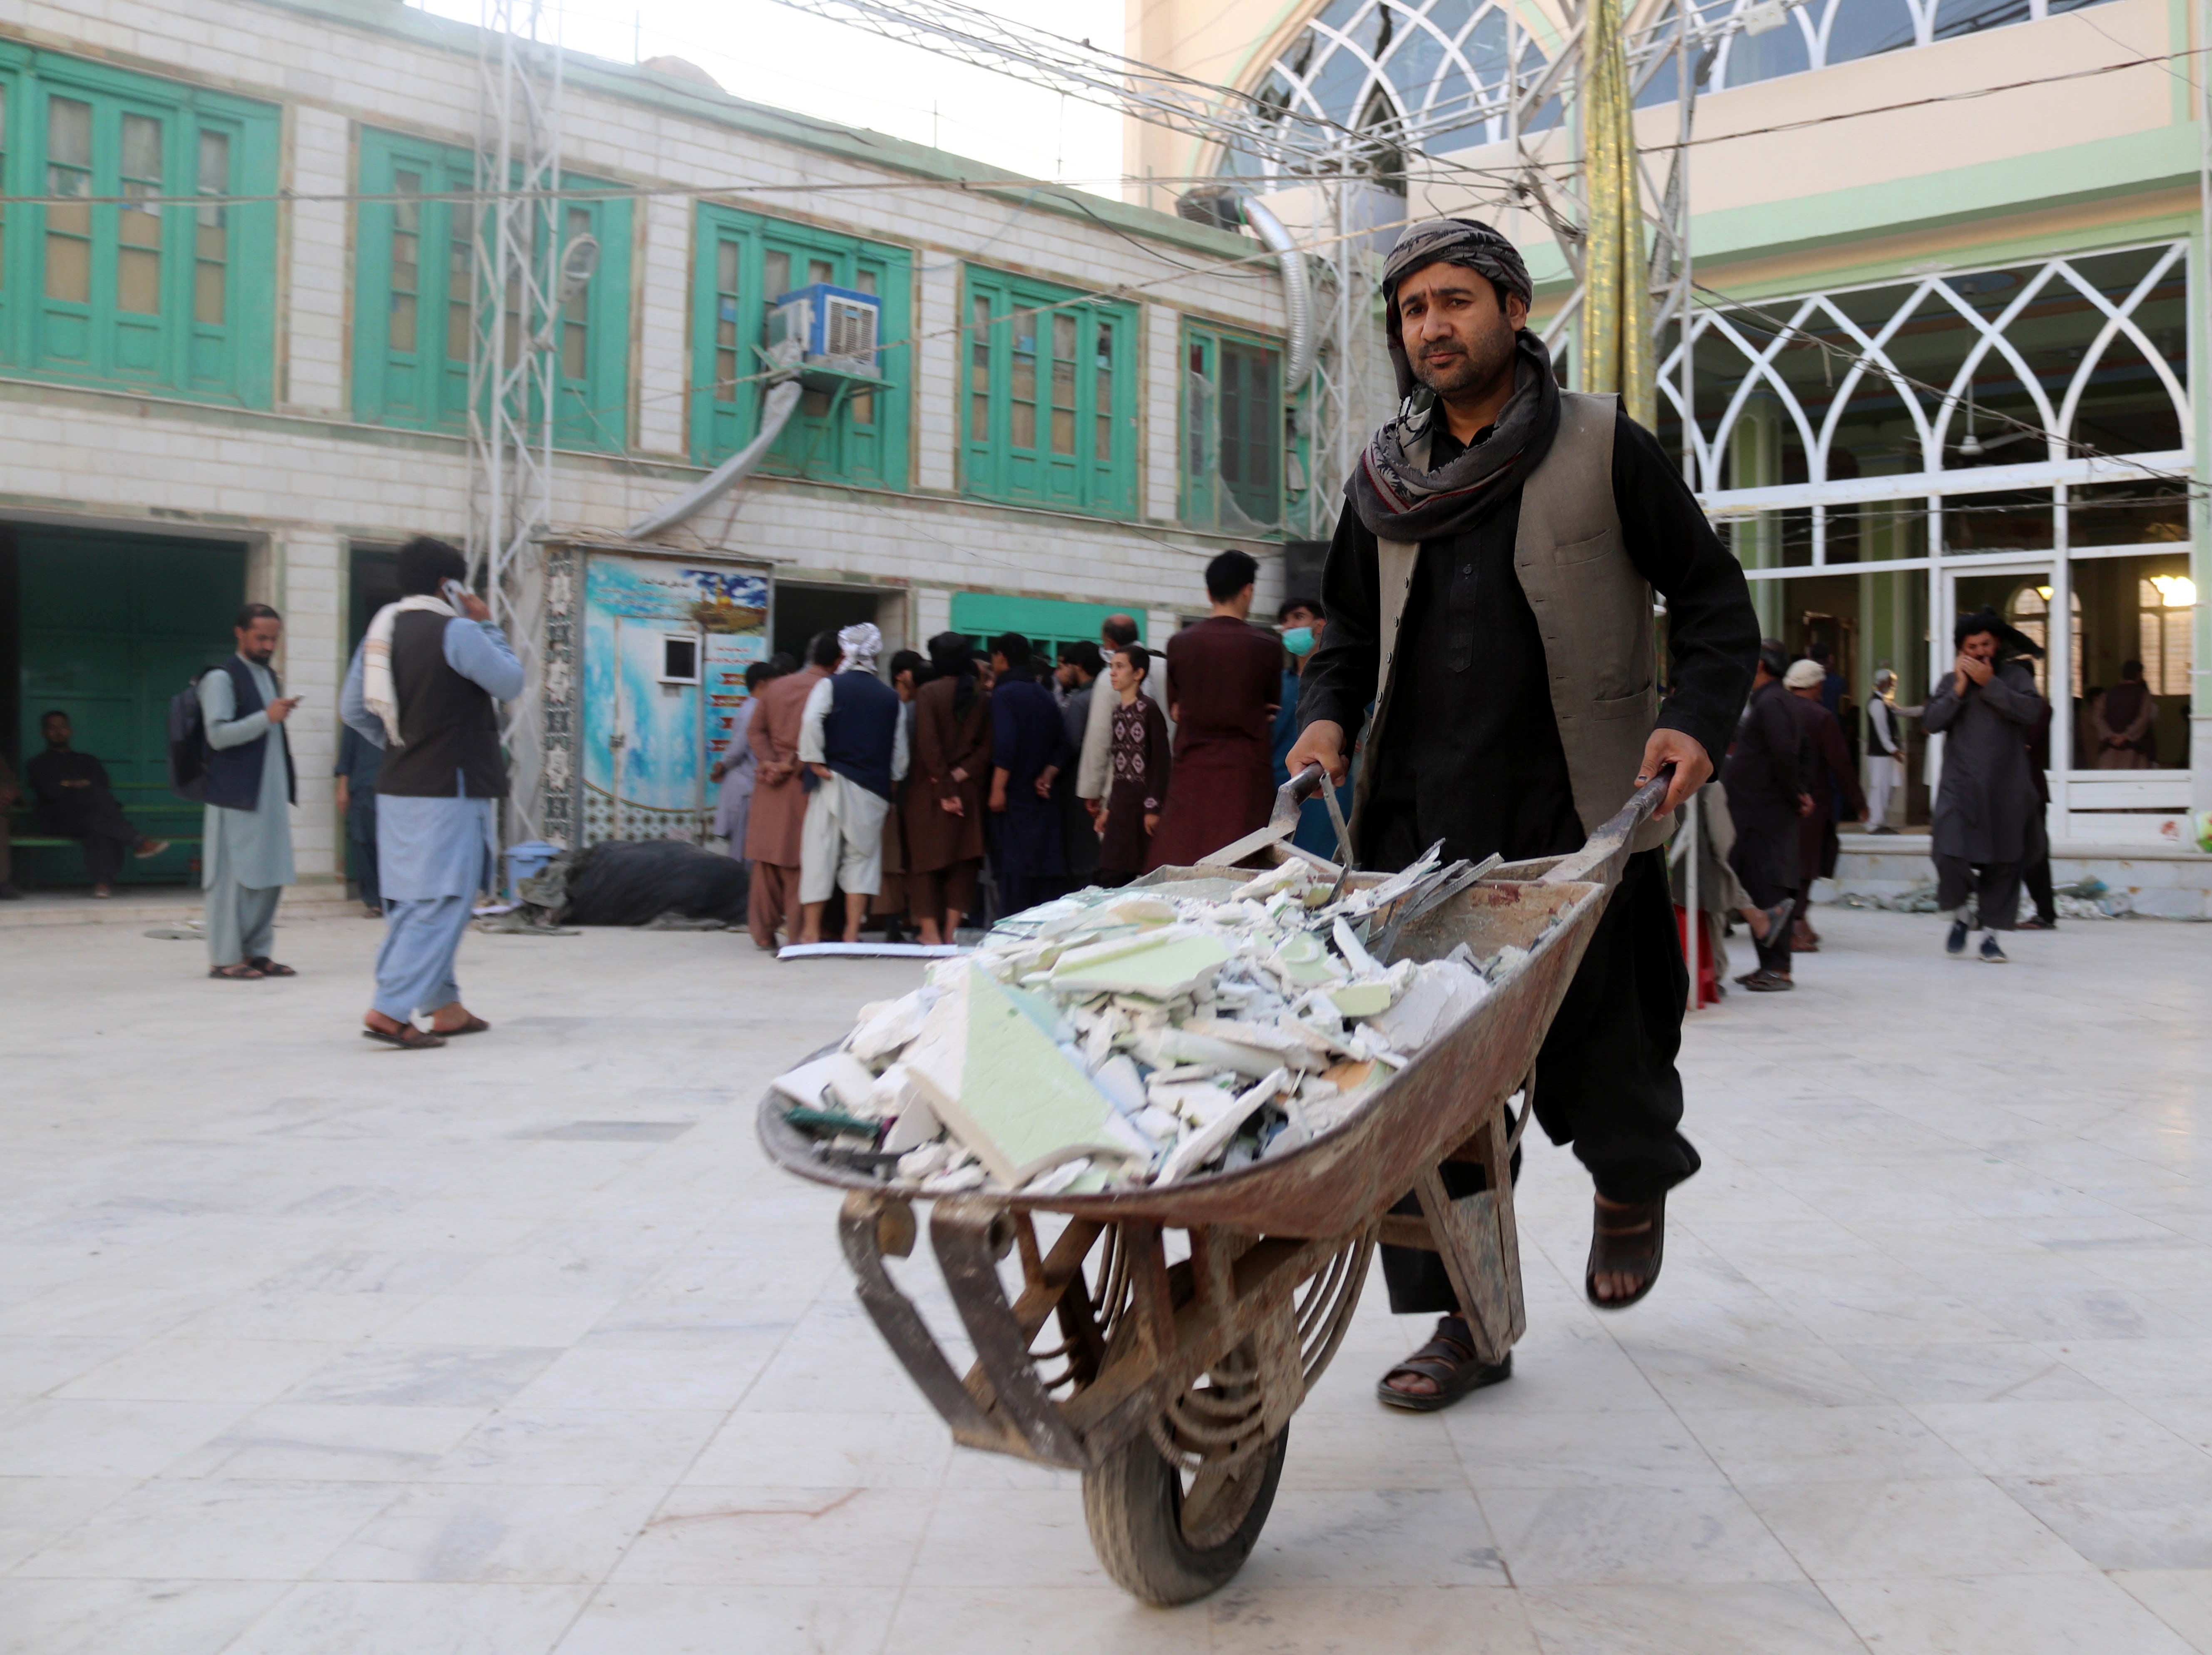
(1113, 1039)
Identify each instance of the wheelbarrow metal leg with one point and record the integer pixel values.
(965, 1233)
(869, 1226)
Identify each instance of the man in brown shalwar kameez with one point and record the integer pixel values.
(1224, 680)
(943, 805)
(779, 808)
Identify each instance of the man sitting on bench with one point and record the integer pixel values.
(76, 802)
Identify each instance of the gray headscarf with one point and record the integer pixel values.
(1398, 500)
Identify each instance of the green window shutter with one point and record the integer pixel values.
(177, 299)
(856, 433)
(1236, 432)
(415, 291)
(1049, 387)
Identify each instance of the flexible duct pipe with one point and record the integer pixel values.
(1297, 289)
(776, 409)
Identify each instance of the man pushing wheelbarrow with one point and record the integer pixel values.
(1493, 578)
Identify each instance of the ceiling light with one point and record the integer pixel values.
(2179, 591)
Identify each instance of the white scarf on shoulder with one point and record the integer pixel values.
(376, 687)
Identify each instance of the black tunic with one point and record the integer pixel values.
(1471, 754)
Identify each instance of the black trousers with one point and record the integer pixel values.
(1995, 884)
(1774, 952)
(105, 833)
(364, 866)
(1605, 1080)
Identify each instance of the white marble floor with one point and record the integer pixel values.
(312, 1347)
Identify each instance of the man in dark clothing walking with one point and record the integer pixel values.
(1829, 779)
(1983, 831)
(1225, 681)
(1028, 749)
(360, 760)
(76, 801)
(1489, 589)
(1769, 792)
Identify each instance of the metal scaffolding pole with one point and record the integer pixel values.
(512, 384)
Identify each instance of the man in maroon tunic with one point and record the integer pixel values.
(1224, 679)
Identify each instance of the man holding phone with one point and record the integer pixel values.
(425, 686)
(246, 853)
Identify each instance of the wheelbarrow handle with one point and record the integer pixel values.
(1604, 855)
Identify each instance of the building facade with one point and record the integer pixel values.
(235, 323)
(1950, 258)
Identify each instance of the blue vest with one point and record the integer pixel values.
(861, 730)
(234, 773)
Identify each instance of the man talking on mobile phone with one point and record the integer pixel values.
(247, 847)
(425, 685)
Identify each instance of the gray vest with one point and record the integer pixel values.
(1592, 610)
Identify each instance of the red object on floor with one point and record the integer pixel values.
(1709, 985)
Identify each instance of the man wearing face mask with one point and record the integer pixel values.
(1301, 620)
(1490, 591)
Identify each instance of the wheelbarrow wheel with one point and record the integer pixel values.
(1169, 1543)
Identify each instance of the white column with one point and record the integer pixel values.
(310, 566)
(314, 341)
(1161, 428)
(936, 411)
(665, 328)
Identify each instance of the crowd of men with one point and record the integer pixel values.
(1771, 816)
(968, 784)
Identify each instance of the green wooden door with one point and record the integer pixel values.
(112, 626)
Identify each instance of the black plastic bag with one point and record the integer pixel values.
(633, 881)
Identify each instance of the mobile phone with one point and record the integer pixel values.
(453, 592)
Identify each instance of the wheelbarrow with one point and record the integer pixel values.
(1159, 1340)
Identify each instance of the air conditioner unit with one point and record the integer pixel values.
(831, 329)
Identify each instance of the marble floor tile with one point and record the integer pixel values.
(2149, 1520)
(596, 1446)
(1551, 1537)
(2072, 1614)
(638, 1619)
(1067, 1621)
(32, 1366)
(1007, 1538)
(1859, 1443)
(103, 1617)
(1624, 1448)
(1289, 1619)
(425, 1376)
(1893, 1530)
(106, 1438)
(2180, 1598)
(179, 1368)
(360, 1442)
(205, 1529)
(826, 1450)
(615, 1378)
(777, 1537)
(36, 1511)
(1945, 1373)
(1373, 1539)
(2057, 1439)
(1705, 1378)
(556, 1534)
(462, 1317)
(347, 1617)
(1761, 1618)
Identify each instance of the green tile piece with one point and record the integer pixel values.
(1160, 968)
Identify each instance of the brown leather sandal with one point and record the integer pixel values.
(241, 973)
(475, 1025)
(269, 967)
(406, 1036)
(1631, 1240)
(1447, 1361)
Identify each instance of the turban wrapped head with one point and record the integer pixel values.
(861, 643)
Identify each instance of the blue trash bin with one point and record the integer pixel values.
(526, 861)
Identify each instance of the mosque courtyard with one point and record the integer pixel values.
(310, 1347)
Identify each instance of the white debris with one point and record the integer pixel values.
(1114, 1039)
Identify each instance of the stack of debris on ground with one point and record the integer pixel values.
(2085, 899)
(1116, 1038)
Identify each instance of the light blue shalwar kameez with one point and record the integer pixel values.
(246, 855)
(433, 855)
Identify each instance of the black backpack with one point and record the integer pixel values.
(188, 746)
